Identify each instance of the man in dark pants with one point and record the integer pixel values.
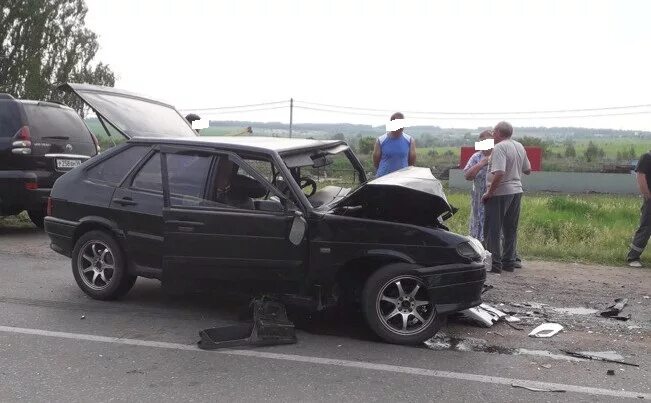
(641, 237)
(502, 198)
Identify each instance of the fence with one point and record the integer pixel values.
(565, 182)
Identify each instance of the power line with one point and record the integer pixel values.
(481, 118)
(230, 107)
(219, 112)
(480, 113)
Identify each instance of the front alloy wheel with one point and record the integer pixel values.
(403, 305)
(398, 307)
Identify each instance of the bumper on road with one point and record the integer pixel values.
(454, 287)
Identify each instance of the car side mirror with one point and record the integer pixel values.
(297, 231)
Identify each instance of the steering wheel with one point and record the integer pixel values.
(307, 182)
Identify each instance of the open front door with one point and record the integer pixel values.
(215, 229)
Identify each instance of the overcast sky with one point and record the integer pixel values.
(441, 56)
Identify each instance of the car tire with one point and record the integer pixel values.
(37, 217)
(99, 266)
(394, 311)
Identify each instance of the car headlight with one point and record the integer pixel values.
(472, 249)
(479, 248)
(465, 249)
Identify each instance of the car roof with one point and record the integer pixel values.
(34, 102)
(281, 145)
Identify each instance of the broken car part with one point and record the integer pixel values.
(515, 385)
(615, 308)
(546, 330)
(597, 358)
(270, 327)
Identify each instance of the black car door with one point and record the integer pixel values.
(234, 238)
(138, 205)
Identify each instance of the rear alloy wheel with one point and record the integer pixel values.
(397, 306)
(98, 266)
(37, 217)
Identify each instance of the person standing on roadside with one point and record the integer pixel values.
(393, 150)
(503, 197)
(641, 237)
(475, 171)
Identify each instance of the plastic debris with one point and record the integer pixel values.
(83, 317)
(516, 385)
(270, 326)
(484, 315)
(546, 330)
(615, 309)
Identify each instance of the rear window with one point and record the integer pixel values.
(115, 168)
(56, 123)
(137, 117)
(9, 118)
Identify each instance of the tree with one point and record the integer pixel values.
(44, 43)
(366, 145)
(570, 151)
(535, 142)
(592, 152)
(339, 136)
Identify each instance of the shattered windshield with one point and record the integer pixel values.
(325, 175)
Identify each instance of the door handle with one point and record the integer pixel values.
(125, 201)
(185, 223)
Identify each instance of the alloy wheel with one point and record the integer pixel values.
(96, 265)
(403, 305)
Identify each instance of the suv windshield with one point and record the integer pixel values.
(138, 117)
(325, 175)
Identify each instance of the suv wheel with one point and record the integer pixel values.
(397, 306)
(99, 266)
(37, 217)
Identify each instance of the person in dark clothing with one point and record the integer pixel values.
(641, 237)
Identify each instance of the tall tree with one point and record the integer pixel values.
(44, 43)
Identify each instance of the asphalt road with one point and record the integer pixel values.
(58, 345)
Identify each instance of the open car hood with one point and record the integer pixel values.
(411, 194)
(130, 114)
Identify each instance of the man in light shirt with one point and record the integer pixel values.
(503, 196)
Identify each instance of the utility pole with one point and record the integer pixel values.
(291, 115)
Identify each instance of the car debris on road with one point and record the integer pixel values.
(546, 330)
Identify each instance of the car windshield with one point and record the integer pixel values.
(325, 175)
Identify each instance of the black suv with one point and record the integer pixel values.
(39, 141)
(292, 217)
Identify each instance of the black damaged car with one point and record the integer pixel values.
(293, 217)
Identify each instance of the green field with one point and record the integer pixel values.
(580, 228)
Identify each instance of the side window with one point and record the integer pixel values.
(263, 167)
(116, 167)
(149, 177)
(187, 176)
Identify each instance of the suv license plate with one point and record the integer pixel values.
(67, 164)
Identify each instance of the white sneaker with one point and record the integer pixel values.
(635, 263)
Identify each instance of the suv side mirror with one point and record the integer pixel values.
(297, 231)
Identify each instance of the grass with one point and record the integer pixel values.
(16, 221)
(572, 228)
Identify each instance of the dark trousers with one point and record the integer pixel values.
(502, 214)
(641, 237)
